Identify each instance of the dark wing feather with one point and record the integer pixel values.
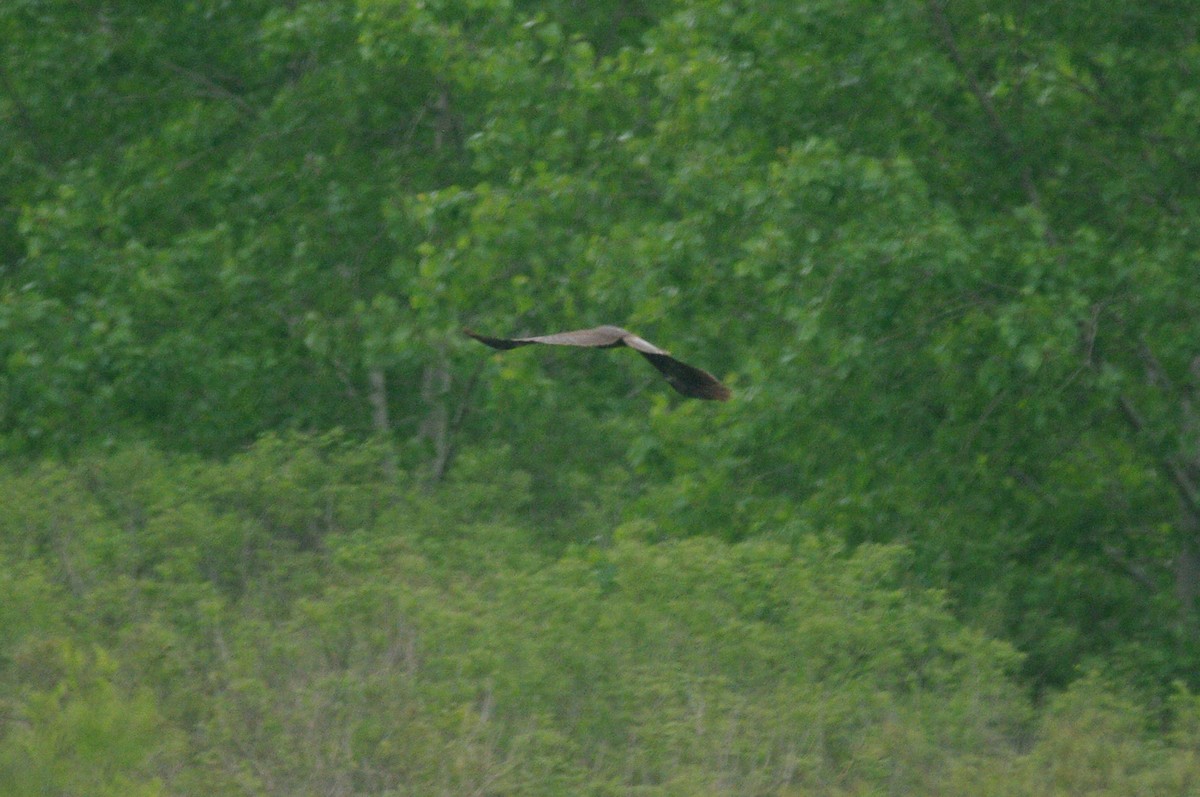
(687, 379)
(498, 343)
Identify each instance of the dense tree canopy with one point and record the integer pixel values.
(945, 537)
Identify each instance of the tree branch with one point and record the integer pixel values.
(946, 32)
(212, 88)
(1169, 464)
(1135, 570)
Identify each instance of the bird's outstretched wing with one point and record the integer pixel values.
(597, 338)
(687, 379)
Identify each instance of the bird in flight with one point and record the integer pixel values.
(689, 380)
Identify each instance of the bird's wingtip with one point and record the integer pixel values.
(715, 392)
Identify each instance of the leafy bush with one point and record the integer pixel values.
(412, 645)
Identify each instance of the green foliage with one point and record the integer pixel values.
(75, 731)
(414, 649)
(945, 254)
(1092, 740)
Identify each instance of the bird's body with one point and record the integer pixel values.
(687, 379)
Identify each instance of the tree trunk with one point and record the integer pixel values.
(377, 395)
(435, 389)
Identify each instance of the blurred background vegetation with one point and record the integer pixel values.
(271, 526)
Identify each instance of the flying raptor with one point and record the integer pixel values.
(687, 379)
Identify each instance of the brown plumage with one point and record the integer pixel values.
(687, 379)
